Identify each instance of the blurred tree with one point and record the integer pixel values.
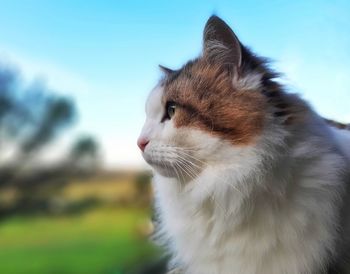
(85, 154)
(31, 117)
(58, 113)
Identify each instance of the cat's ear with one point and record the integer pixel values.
(220, 44)
(165, 70)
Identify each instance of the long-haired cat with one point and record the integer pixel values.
(247, 177)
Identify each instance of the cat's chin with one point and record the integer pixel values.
(162, 168)
(170, 172)
(173, 170)
(165, 172)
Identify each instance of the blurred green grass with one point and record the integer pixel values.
(103, 240)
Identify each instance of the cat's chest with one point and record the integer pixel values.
(208, 243)
(214, 246)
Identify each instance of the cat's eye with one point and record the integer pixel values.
(170, 109)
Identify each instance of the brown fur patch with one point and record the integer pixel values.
(207, 100)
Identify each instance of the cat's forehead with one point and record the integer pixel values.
(195, 78)
(193, 70)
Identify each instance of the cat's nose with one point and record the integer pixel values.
(142, 143)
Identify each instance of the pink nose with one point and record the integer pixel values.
(142, 143)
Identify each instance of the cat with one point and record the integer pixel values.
(248, 178)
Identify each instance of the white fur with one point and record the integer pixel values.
(250, 81)
(269, 208)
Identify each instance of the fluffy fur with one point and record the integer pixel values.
(248, 179)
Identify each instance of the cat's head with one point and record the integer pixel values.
(212, 111)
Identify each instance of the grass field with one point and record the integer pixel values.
(102, 240)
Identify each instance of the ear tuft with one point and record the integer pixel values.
(166, 70)
(220, 44)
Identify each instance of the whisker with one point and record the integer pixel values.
(211, 195)
(222, 180)
(185, 169)
(190, 162)
(179, 172)
(191, 156)
(194, 148)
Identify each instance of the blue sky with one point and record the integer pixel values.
(105, 54)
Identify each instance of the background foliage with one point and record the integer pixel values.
(68, 215)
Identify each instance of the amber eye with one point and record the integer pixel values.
(170, 109)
